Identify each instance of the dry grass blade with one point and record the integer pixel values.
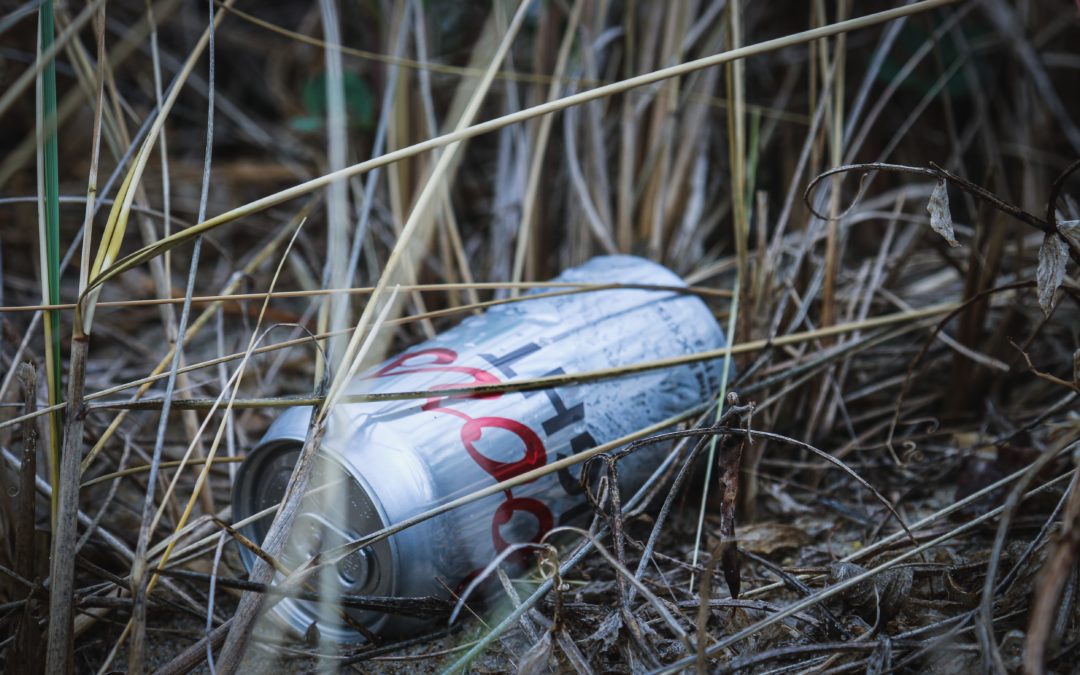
(337, 240)
(707, 293)
(543, 133)
(112, 237)
(140, 583)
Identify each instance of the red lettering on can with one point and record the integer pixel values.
(513, 505)
(439, 363)
(439, 360)
(534, 458)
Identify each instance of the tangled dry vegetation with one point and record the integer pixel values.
(886, 207)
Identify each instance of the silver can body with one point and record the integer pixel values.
(383, 462)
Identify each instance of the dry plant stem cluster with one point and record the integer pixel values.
(890, 483)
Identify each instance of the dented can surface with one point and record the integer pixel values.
(382, 462)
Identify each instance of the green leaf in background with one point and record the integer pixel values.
(912, 37)
(359, 104)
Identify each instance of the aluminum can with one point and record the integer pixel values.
(392, 460)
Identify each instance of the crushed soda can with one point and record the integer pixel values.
(382, 462)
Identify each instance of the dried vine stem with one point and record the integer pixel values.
(1046, 226)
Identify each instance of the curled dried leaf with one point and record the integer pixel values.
(1053, 256)
(768, 538)
(881, 659)
(537, 659)
(940, 215)
(608, 631)
(887, 591)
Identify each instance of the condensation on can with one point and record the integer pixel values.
(382, 462)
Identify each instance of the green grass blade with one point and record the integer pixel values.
(51, 234)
